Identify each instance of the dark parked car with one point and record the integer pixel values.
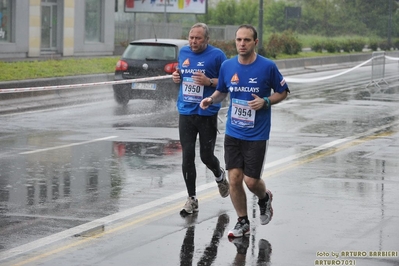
(143, 59)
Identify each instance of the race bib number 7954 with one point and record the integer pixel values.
(241, 114)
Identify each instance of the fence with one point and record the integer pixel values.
(378, 62)
(377, 70)
(128, 30)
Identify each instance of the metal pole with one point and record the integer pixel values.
(134, 26)
(390, 24)
(260, 29)
(164, 12)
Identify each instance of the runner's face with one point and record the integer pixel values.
(245, 42)
(197, 40)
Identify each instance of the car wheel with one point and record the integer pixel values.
(122, 95)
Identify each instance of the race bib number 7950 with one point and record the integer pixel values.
(192, 92)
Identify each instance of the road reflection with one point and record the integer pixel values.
(133, 159)
(154, 148)
(210, 252)
(242, 244)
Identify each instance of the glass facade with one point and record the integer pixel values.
(49, 24)
(93, 26)
(5, 20)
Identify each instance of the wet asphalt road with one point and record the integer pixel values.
(98, 184)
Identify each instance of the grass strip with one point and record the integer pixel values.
(21, 70)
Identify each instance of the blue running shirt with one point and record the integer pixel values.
(241, 81)
(208, 62)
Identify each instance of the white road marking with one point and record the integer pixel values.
(67, 145)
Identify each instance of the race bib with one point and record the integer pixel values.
(241, 114)
(192, 92)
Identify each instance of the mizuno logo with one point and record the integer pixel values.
(253, 80)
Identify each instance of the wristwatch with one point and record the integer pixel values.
(210, 82)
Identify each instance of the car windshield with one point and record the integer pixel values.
(150, 52)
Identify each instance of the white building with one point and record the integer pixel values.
(37, 28)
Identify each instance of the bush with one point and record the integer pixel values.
(346, 46)
(384, 46)
(317, 46)
(357, 44)
(373, 44)
(273, 46)
(395, 43)
(351, 45)
(290, 43)
(228, 47)
(331, 46)
(285, 43)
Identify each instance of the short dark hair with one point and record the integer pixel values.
(248, 26)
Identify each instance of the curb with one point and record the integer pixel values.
(56, 81)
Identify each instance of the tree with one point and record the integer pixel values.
(319, 17)
(232, 12)
(278, 19)
(274, 17)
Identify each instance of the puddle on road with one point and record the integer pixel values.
(59, 189)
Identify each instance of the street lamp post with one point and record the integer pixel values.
(164, 13)
(260, 29)
(390, 24)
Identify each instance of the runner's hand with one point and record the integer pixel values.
(176, 76)
(199, 78)
(206, 102)
(257, 103)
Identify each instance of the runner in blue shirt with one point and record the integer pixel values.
(250, 79)
(198, 69)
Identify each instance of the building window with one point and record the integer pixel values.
(5, 20)
(93, 12)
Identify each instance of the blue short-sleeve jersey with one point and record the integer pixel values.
(190, 95)
(241, 81)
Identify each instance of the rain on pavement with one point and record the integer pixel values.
(99, 184)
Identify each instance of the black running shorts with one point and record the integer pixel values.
(247, 155)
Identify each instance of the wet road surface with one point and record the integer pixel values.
(97, 184)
